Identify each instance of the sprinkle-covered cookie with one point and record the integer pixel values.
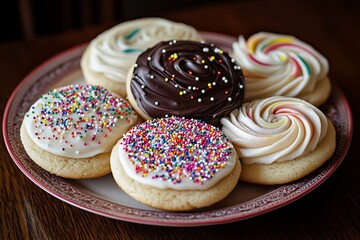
(178, 161)
(75, 122)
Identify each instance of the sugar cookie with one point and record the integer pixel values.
(279, 139)
(185, 78)
(70, 131)
(282, 65)
(175, 164)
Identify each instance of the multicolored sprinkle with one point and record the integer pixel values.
(175, 148)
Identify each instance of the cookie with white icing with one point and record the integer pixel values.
(108, 58)
(279, 139)
(282, 65)
(175, 164)
(70, 131)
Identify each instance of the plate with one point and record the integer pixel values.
(102, 196)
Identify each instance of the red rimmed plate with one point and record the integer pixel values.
(102, 196)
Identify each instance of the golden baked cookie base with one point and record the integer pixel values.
(99, 79)
(75, 168)
(284, 172)
(320, 94)
(169, 199)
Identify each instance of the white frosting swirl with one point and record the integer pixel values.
(275, 129)
(275, 64)
(114, 51)
(78, 121)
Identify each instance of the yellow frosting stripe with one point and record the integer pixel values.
(282, 57)
(252, 43)
(278, 40)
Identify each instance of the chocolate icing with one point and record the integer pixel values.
(187, 78)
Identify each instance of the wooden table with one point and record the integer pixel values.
(331, 211)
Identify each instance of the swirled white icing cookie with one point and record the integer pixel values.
(275, 64)
(110, 55)
(70, 131)
(279, 139)
(175, 164)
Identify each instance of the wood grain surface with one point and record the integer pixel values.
(331, 211)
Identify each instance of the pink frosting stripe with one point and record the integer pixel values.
(280, 45)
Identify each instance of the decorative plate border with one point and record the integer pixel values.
(35, 83)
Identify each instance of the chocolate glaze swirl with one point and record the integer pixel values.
(187, 78)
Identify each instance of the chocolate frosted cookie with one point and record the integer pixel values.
(185, 78)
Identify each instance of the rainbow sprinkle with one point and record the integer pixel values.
(175, 148)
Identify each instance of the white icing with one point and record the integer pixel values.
(113, 52)
(71, 121)
(275, 129)
(275, 64)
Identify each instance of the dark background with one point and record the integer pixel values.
(28, 19)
